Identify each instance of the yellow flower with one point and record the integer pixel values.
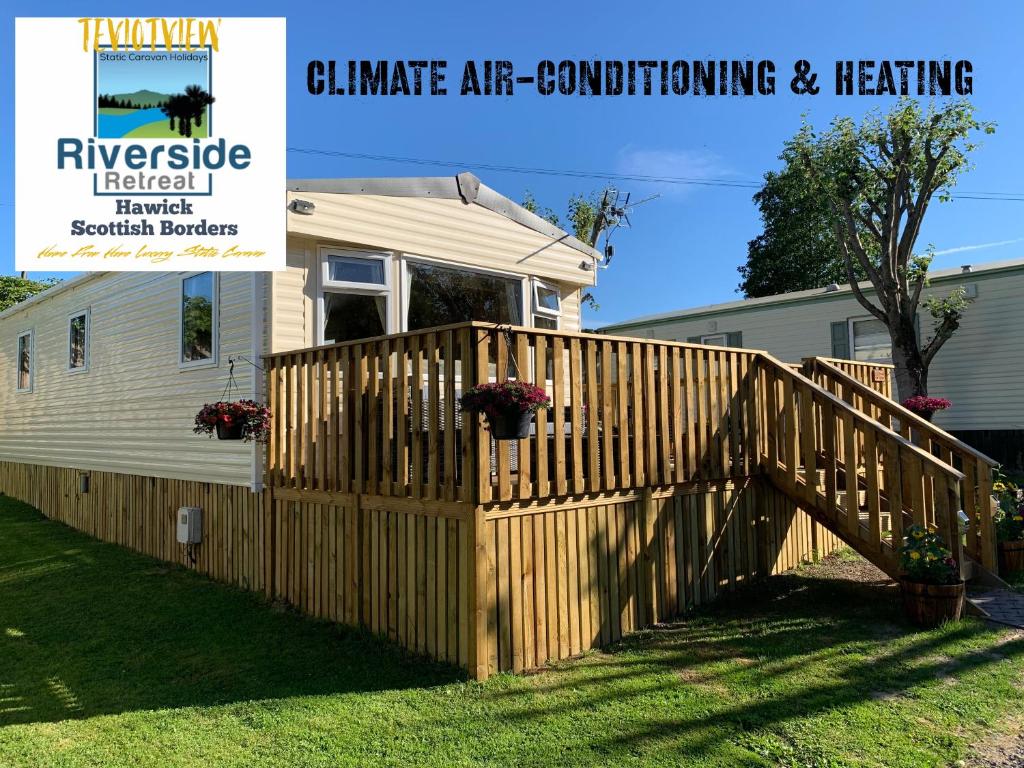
(932, 529)
(931, 556)
(999, 487)
(1018, 518)
(915, 555)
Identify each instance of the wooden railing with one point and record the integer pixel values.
(867, 478)
(976, 467)
(375, 416)
(625, 413)
(381, 416)
(877, 376)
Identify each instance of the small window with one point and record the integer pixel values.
(26, 363)
(870, 340)
(198, 319)
(547, 305)
(355, 269)
(78, 341)
(715, 339)
(355, 301)
(351, 316)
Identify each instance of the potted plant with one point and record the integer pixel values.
(508, 405)
(925, 407)
(1009, 525)
(234, 420)
(933, 592)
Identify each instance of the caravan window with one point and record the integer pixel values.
(547, 305)
(355, 298)
(78, 341)
(26, 353)
(870, 340)
(199, 319)
(437, 295)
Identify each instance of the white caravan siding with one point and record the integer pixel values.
(132, 410)
(980, 369)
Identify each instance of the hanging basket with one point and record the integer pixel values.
(231, 431)
(511, 424)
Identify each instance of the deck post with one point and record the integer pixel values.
(478, 491)
(649, 543)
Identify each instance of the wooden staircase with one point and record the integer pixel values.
(865, 468)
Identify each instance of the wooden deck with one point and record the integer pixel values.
(663, 474)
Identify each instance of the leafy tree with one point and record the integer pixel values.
(797, 250)
(582, 212)
(14, 290)
(879, 178)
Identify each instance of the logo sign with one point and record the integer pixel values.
(149, 144)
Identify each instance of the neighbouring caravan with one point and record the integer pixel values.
(980, 369)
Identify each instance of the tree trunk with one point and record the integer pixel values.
(911, 372)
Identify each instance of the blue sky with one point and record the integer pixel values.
(684, 247)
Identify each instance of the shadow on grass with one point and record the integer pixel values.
(790, 649)
(88, 628)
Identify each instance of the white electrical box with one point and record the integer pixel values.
(190, 525)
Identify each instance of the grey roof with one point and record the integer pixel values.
(465, 187)
(800, 297)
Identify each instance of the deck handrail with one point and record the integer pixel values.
(863, 417)
(843, 452)
(897, 410)
(976, 493)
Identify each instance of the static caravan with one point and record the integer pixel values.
(981, 369)
(661, 475)
(104, 372)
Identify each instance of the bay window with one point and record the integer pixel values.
(441, 295)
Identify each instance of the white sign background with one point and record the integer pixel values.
(54, 99)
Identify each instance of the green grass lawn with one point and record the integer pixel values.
(110, 658)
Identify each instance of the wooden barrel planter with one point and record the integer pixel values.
(930, 605)
(1011, 556)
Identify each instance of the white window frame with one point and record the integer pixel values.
(704, 339)
(88, 332)
(324, 285)
(407, 258)
(31, 334)
(214, 360)
(552, 314)
(853, 340)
